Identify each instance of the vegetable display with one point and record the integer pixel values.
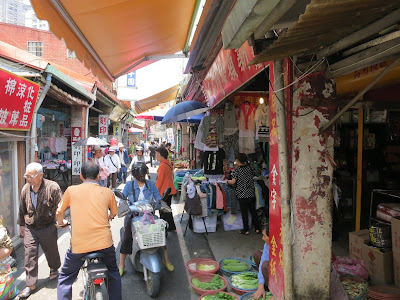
(218, 296)
(215, 283)
(205, 267)
(235, 265)
(268, 295)
(353, 287)
(245, 281)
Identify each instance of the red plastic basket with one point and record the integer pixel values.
(206, 277)
(214, 292)
(239, 291)
(199, 261)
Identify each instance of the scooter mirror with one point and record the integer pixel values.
(119, 195)
(166, 192)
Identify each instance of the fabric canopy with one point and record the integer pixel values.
(152, 101)
(154, 115)
(110, 36)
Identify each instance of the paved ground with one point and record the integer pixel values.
(217, 246)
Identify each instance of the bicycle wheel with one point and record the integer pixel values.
(101, 292)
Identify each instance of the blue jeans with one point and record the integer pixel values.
(122, 174)
(73, 263)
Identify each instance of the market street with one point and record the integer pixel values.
(174, 285)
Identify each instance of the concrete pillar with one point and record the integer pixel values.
(311, 187)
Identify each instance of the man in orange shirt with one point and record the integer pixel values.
(164, 181)
(91, 207)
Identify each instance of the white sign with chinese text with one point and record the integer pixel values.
(103, 125)
(76, 159)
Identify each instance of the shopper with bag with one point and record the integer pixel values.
(164, 181)
(138, 189)
(124, 159)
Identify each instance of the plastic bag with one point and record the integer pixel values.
(147, 218)
(336, 290)
(351, 266)
(8, 288)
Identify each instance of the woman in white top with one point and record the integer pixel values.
(114, 164)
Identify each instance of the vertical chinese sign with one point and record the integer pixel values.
(103, 126)
(76, 159)
(76, 135)
(276, 279)
(17, 101)
(116, 129)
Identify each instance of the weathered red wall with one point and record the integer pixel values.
(54, 49)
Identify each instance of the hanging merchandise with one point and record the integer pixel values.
(231, 135)
(213, 162)
(212, 131)
(246, 128)
(262, 123)
(198, 143)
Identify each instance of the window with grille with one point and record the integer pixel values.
(35, 48)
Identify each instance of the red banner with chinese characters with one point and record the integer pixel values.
(228, 72)
(17, 101)
(276, 279)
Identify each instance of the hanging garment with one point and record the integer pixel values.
(52, 144)
(235, 207)
(246, 117)
(231, 146)
(215, 130)
(203, 198)
(193, 205)
(213, 162)
(246, 144)
(259, 196)
(262, 123)
(198, 143)
(220, 198)
(230, 123)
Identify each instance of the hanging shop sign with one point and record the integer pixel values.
(229, 71)
(170, 135)
(76, 134)
(17, 101)
(103, 125)
(76, 159)
(116, 128)
(276, 279)
(131, 79)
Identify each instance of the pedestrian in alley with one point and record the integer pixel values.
(124, 159)
(99, 160)
(152, 152)
(91, 232)
(170, 152)
(262, 261)
(242, 176)
(164, 181)
(37, 217)
(114, 165)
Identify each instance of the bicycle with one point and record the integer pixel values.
(95, 275)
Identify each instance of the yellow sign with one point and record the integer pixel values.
(116, 129)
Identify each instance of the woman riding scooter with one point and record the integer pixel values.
(139, 189)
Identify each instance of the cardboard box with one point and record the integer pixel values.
(379, 264)
(396, 250)
(356, 240)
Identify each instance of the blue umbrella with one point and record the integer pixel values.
(184, 110)
(193, 120)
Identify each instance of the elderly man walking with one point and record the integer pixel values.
(37, 220)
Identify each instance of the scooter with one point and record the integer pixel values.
(145, 258)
